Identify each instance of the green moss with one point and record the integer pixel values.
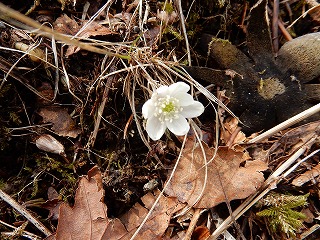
(167, 7)
(59, 169)
(2, 184)
(4, 139)
(5, 90)
(280, 214)
(219, 40)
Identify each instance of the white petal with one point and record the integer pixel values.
(178, 87)
(148, 108)
(193, 110)
(162, 91)
(185, 99)
(155, 128)
(179, 126)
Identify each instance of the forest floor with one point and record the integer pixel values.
(77, 161)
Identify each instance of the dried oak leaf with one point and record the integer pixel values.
(88, 220)
(159, 220)
(229, 176)
(63, 125)
(66, 25)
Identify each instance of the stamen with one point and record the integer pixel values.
(167, 108)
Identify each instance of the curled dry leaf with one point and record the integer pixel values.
(230, 176)
(63, 125)
(232, 134)
(49, 144)
(201, 233)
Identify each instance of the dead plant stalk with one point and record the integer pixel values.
(22, 21)
(5, 197)
(291, 121)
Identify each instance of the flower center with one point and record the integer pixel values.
(167, 109)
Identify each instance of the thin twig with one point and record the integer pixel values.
(193, 222)
(183, 25)
(10, 15)
(275, 27)
(284, 31)
(24, 233)
(5, 197)
(109, 82)
(291, 121)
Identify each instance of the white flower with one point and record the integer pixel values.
(169, 107)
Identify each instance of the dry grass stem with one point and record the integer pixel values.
(25, 234)
(5, 197)
(9, 14)
(291, 121)
(303, 15)
(269, 184)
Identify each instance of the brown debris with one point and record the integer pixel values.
(88, 219)
(48, 143)
(230, 176)
(308, 176)
(63, 125)
(66, 25)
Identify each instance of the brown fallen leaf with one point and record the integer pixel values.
(310, 175)
(69, 26)
(294, 139)
(53, 203)
(159, 220)
(152, 36)
(230, 176)
(63, 125)
(66, 25)
(88, 220)
(47, 92)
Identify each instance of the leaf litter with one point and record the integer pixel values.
(231, 175)
(88, 219)
(205, 176)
